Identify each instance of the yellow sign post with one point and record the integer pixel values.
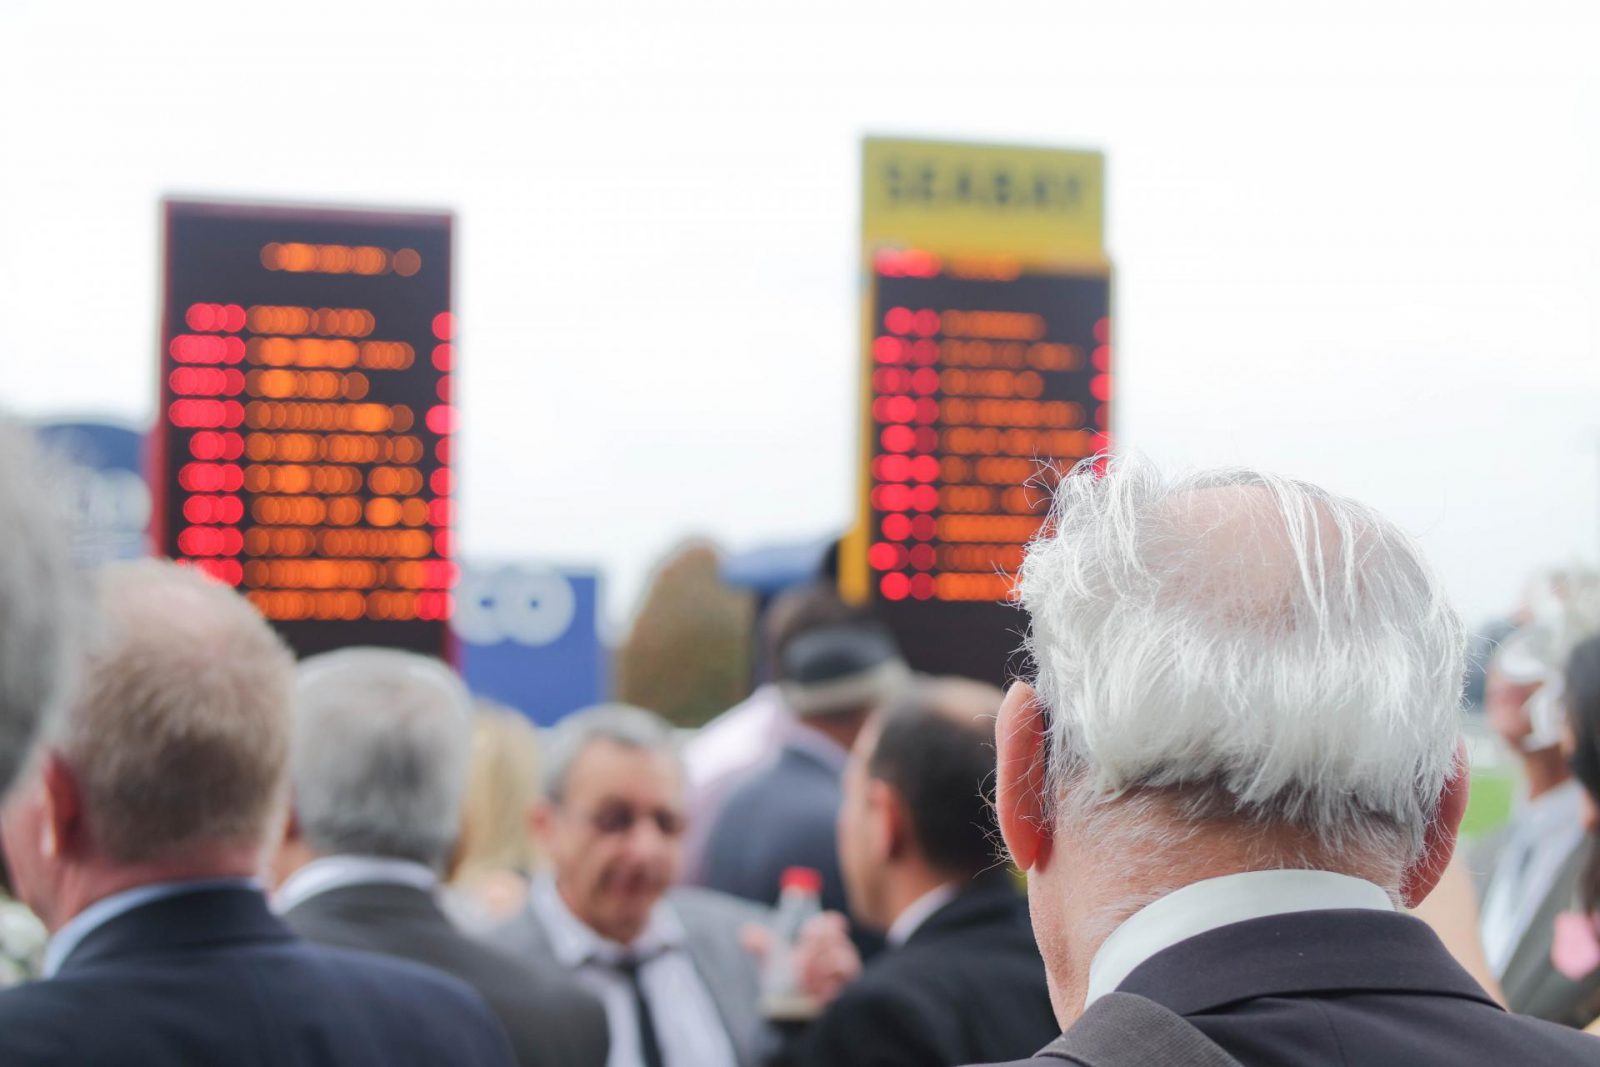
(985, 359)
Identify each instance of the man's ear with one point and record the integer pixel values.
(62, 825)
(1439, 839)
(541, 817)
(890, 823)
(1021, 744)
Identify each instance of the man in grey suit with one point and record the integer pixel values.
(378, 765)
(1532, 874)
(668, 963)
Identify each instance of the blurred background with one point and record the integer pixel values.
(1355, 243)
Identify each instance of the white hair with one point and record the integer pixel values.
(619, 724)
(40, 602)
(179, 730)
(379, 762)
(1269, 653)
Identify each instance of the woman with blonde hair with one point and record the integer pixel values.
(496, 856)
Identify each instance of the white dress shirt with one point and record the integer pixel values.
(1544, 831)
(688, 1026)
(1206, 905)
(919, 911)
(335, 872)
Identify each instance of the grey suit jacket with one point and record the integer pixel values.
(1531, 983)
(711, 922)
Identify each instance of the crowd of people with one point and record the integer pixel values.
(1191, 836)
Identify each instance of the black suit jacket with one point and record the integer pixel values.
(967, 985)
(1354, 988)
(211, 979)
(551, 1021)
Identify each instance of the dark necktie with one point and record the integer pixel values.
(649, 1043)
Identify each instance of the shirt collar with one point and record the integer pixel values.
(1214, 902)
(919, 911)
(336, 872)
(74, 930)
(576, 943)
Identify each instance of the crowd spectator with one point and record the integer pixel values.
(961, 979)
(679, 988)
(1575, 936)
(39, 601)
(1533, 863)
(137, 835)
(496, 857)
(378, 765)
(1238, 756)
(834, 665)
(720, 755)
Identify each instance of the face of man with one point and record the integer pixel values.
(616, 836)
(861, 832)
(1505, 703)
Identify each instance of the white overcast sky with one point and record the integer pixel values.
(1355, 242)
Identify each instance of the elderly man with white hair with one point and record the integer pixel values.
(378, 768)
(1238, 760)
(137, 834)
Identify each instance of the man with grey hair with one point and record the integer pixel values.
(39, 601)
(377, 768)
(1238, 758)
(137, 833)
(668, 963)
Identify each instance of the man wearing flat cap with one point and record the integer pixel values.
(834, 666)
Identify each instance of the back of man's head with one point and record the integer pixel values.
(178, 731)
(832, 659)
(39, 602)
(935, 747)
(382, 745)
(1245, 649)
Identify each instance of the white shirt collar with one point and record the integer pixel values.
(1215, 902)
(919, 911)
(74, 930)
(335, 872)
(576, 943)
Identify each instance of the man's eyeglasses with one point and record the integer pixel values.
(619, 819)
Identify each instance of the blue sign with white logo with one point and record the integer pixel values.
(529, 637)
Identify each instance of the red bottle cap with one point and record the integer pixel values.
(808, 879)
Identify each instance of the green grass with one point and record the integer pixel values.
(1489, 803)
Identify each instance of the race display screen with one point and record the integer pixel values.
(985, 385)
(303, 444)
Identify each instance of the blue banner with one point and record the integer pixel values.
(529, 637)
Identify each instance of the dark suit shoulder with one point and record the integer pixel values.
(969, 985)
(1352, 986)
(280, 1003)
(550, 1020)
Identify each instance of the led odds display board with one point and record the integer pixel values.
(986, 370)
(303, 444)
